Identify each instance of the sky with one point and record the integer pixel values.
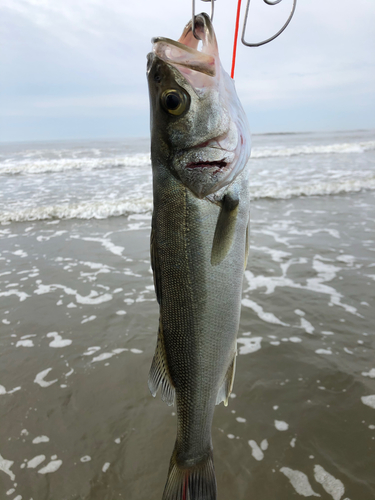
(75, 69)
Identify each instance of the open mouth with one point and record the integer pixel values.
(205, 164)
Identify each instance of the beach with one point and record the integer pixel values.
(79, 317)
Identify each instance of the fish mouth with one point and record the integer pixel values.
(184, 54)
(218, 165)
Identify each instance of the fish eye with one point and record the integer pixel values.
(174, 101)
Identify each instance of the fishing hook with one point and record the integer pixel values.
(193, 15)
(268, 2)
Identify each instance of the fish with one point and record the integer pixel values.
(200, 147)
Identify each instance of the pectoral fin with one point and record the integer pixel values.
(225, 228)
(159, 372)
(227, 385)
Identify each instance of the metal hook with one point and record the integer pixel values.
(268, 2)
(212, 15)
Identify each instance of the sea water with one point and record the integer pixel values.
(78, 323)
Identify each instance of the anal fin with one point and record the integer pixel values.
(227, 384)
(159, 372)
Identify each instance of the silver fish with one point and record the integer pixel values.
(200, 146)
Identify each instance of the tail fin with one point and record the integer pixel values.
(191, 483)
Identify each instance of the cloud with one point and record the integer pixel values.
(88, 58)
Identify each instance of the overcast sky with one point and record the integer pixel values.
(72, 69)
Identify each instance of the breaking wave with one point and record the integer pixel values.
(41, 166)
(64, 164)
(84, 210)
(110, 208)
(322, 188)
(343, 148)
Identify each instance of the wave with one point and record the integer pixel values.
(109, 208)
(28, 166)
(84, 210)
(322, 188)
(342, 148)
(33, 166)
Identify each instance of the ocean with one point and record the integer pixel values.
(78, 324)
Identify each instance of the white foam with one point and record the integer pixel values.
(370, 374)
(332, 486)
(256, 452)
(82, 210)
(293, 442)
(4, 391)
(90, 318)
(86, 458)
(299, 481)
(323, 351)
(53, 466)
(92, 299)
(58, 341)
(107, 244)
(369, 401)
(307, 326)
(108, 355)
(91, 350)
(21, 295)
(264, 445)
(41, 166)
(40, 439)
(25, 343)
(34, 462)
(276, 255)
(281, 425)
(106, 466)
(317, 284)
(250, 345)
(241, 420)
(135, 351)
(295, 340)
(5, 466)
(39, 379)
(337, 148)
(265, 316)
(317, 188)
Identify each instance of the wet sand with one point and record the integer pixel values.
(78, 322)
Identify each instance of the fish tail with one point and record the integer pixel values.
(197, 482)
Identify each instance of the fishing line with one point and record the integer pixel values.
(235, 39)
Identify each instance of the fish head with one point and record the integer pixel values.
(199, 129)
